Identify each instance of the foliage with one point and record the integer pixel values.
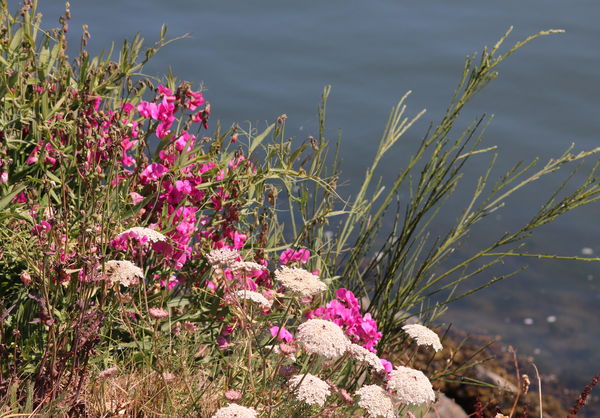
(149, 268)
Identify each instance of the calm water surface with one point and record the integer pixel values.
(260, 59)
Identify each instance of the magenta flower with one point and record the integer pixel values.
(281, 333)
(290, 255)
(152, 172)
(345, 312)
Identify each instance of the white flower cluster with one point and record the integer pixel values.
(322, 337)
(309, 389)
(235, 411)
(123, 272)
(223, 257)
(376, 401)
(246, 266)
(151, 234)
(366, 356)
(254, 297)
(300, 282)
(410, 386)
(423, 336)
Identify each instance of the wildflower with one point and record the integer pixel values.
(124, 272)
(387, 366)
(376, 401)
(299, 281)
(366, 356)
(281, 333)
(25, 278)
(150, 234)
(325, 338)
(288, 370)
(233, 395)
(223, 257)
(254, 297)
(346, 397)
(110, 372)
(410, 386)
(158, 313)
(345, 311)
(291, 255)
(287, 349)
(309, 389)
(190, 326)
(247, 266)
(168, 377)
(152, 173)
(423, 336)
(235, 411)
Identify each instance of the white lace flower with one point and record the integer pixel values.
(322, 337)
(247, 266)
(366, 356)
(151, 234)
(235, 411)
(309, 389)
(254, 297)
(300, 282)
(376, 401)
(423, 336)
(410, 386)
(223, 257)
(124, 272)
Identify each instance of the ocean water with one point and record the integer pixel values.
(258, 60)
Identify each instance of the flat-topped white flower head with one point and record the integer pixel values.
(123, 272)
(247, 266)
(318, 336)
(223, 257)
(300, 282)
(235, 411)
(309, 389)
(423, 336)
(376, 401)
(362, 354)
(410, 386)
(254, 297)
(151, 234)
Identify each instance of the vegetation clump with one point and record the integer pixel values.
(148, 267)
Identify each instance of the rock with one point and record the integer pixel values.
(488, 376)
(445, 407)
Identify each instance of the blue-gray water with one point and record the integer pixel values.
(259, 59)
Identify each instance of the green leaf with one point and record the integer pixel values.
(260, 138)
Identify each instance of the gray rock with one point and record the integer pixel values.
(445, 407)
(488, 376)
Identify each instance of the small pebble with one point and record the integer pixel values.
(528, 321)
(590, 277)
(537, 351)
(551, 319)
(587, 251)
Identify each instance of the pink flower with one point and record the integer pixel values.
(152, 172)
(136, 197)
(110, 372)
(148, 110)
(167, 93)
(281, 333)
(185, 141)
(196, 99)
(4, 177)
(127, 107)
(158, 313)
(345, 312)
(290, 255)
(387, 366)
